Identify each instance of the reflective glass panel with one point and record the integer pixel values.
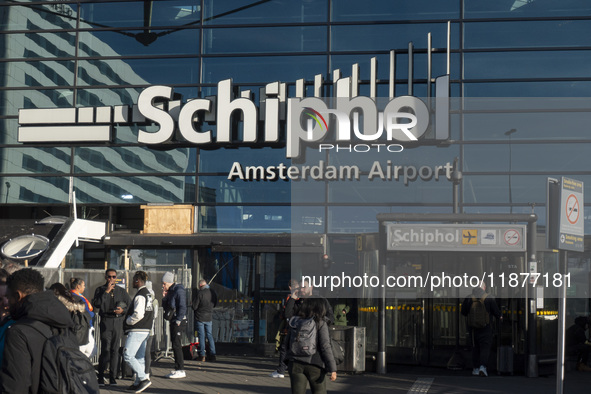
(526, 189)
(135, 190)
(365, 191)
(525, 8)
(13, 100)
(526, 34)
(360, 219)
(352, 10)
(265, 39)
(134, 42)
(263, 69)
(136, 72)
(221, 160)
(222, 190)
(527, 157)
(35, 45)
(531, 64)
(387, 37)
(140, 13)
(529, 126)
(39, 73)
(225, 219)
(38, 190)
(39, 17)
(528, 89)
(16, 160)
(439, 65)
(116, 160)
(272, 11)
(100, 97)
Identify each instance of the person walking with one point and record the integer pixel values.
(204, 301)
(174, 303)
(21, 366)
(293, 286)
(112, 302)
(478, 307)
(313, 368)
(138, 323)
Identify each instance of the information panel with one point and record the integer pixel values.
(572, 228)
(457, 237)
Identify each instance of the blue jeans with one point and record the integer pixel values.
(134, 353)
(204, 329)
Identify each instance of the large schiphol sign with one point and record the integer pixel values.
(353, 123)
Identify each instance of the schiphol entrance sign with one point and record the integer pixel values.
(456, 237)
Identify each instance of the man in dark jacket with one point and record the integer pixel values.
(577, 344)
(481, 337)
(112, 302)
(174, 303)
(21, 367)
(204, 301)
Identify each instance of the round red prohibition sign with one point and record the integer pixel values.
(511, 237)
(572, 209)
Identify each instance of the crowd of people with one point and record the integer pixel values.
(33, 313)
(31, 316)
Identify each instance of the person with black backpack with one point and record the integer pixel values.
(309, 349)
(77, 308)
(41, 354)
(478, 308)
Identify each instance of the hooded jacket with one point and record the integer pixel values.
(21, 367)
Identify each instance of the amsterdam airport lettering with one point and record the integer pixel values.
(322, 172)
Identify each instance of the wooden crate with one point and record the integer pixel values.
(168, 219)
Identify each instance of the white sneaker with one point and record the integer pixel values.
(276, 374)
(476, 371)
(176, 375)
(482, 371)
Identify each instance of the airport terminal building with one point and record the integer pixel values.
(214, 136)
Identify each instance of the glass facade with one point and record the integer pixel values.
(105, 53)
(77, 54)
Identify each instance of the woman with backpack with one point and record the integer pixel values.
(81, 318)
(309, 348)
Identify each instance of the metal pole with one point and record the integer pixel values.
(257, 298)
(532, 338)
(561, 325)
(381, 356)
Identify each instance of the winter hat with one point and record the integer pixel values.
(168, 278)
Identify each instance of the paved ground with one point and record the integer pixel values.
(250, 374)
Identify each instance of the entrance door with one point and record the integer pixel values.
(425, 326)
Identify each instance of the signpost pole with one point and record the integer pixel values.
(561, 324)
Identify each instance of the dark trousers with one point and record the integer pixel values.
(111, 334)
(282, 354)
(300, 374)
(481, 343)
(580, 351)
(176, 336)
(148, 357)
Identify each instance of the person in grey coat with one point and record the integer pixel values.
(312, 369)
